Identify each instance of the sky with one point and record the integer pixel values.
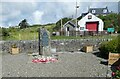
(46, 11)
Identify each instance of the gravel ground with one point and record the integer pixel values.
(77, 64)
(0, 64)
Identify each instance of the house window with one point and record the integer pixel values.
(90, 17)
(93, 11)
(81, 28)
(104, 11)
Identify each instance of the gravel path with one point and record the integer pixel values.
(0, 64)
(68, 65)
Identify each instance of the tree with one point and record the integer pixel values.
(23, 24)
(58, 23)
(5, 32)
(110, 20)
(119, 22)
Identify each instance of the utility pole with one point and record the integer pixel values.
(76, 17)
(61, 25)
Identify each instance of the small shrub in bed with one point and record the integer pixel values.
(116, 73)
(112, 46)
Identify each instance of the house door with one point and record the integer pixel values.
(92, 26)
(67, 32)
(68, 29)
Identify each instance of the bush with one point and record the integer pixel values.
(116, 73)
(103, 48)
(112, 46)
(5, 32)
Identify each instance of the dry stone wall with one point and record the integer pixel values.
(60, 45)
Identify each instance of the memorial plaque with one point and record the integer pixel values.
(45, 39)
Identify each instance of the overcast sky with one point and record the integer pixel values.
(43, 12)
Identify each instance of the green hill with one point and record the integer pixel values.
(29, 33)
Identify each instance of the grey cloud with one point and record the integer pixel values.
(14, 12)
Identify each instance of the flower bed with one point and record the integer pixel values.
(44, 60)
(116, 73)
(14, 49)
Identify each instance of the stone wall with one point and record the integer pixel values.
(60, 45)
(76, 45)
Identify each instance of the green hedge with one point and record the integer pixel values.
(112, 46)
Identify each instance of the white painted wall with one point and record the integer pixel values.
(82, 22)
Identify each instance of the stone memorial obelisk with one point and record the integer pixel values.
(44, 42)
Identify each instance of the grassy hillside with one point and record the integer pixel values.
(30, 33)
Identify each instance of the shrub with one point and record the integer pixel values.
(5, 32)
(112, 46)
(116, 73)
(118, 43)
(14, 46)
(103, 48)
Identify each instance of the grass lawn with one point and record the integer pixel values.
(84, 37)
(34, 36)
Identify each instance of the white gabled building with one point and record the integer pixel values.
(91, 23)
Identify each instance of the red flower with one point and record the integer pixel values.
(113, 73)
(118, 67)
(42, 60)
(35, 60)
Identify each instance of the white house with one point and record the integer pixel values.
(88, 23)
(91, 23)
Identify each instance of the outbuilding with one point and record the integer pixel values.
(69, 28)
(91, 23)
